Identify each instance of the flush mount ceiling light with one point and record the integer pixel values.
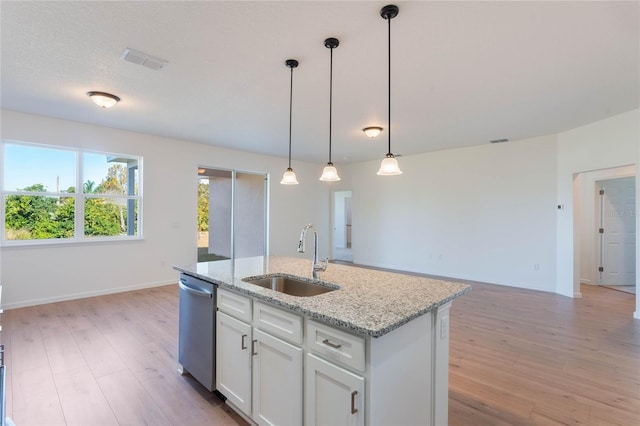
(389, 165)
(289, 177)
(102, 99)
(329, 173)
(372, 131)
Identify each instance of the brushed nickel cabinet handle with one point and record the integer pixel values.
(253, 347)
(243, 342)
(333, 345)
(353, 402)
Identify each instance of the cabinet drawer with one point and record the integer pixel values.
(234, 304)
(279, 323)
(336, 345)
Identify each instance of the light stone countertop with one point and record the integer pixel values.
(368, 302)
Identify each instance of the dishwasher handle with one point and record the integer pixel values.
(194, 291)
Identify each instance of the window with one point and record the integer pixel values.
(57, 194)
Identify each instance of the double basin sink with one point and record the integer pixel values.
(290, 285)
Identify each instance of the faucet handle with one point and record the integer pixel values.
(321, 266)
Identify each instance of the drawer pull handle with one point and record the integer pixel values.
(253, 347)
(243, 342)
(353, 402)
(333, 345)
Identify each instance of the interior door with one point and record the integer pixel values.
(618, 224)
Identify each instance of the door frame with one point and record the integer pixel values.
(586, 189)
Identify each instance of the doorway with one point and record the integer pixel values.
(232, 214)
(617, 231)
(342, 225)
(594, 250)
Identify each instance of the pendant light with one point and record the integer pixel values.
(329, 173)
(289, 177)
(389, 165)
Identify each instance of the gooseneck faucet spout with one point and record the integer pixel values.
(315, 265)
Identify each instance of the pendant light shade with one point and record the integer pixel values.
(330, 173)
(289, 177)
(389, 165)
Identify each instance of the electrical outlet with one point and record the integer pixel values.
(536, 267)
(444, 328)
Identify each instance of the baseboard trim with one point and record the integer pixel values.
(84, 295)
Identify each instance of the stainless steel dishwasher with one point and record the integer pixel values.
(197, 330)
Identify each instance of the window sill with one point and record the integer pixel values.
(26, 244)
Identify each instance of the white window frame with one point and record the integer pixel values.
(79, 198)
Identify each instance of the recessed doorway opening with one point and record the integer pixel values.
(342, 225)
(605, 215)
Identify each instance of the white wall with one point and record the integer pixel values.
(604, 144)
(483, 213)
(32, 275)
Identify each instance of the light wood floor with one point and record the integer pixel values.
(517, 357)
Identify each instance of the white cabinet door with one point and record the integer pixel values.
(333, 395)
(233, 365)
(277, 381)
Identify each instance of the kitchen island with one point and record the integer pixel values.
(374, 351)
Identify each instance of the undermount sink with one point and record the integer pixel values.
(291, 286)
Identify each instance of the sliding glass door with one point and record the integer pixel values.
(232, 214)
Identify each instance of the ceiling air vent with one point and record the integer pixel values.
(141, 58)
(499, 140)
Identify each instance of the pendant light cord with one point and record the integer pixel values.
(290, 114)
(389, 89)
(330, 100)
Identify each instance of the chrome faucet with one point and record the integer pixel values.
(315, 265)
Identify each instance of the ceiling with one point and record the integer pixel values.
(463, 73)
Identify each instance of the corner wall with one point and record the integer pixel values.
(40, 274)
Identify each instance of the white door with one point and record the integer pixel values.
(277, 381)
(233, 360)
(617, 215)
(333, 395)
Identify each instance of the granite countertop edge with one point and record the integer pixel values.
(335, 321)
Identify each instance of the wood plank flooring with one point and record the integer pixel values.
(105, 360)
(517, 357)
(524, 357)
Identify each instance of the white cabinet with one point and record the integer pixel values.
(333, 395)
(260, 374)
(277, 368)
(277, 381)
(233, 364)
